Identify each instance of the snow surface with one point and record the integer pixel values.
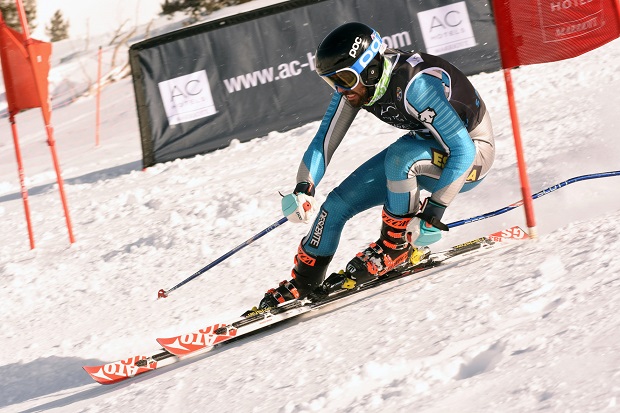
(528, 328)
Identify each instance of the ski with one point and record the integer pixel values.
(120, 370)
(213, 335)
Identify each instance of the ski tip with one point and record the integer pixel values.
(514, 233)
(97, 374)
(111, 373)
(162, 294)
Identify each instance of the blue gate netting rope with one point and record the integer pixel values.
(534, 196)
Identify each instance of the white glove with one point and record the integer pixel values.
(420, 233)
(425, 228)
(299, 207)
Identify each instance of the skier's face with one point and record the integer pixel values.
(356, 96)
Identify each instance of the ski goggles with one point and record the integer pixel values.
(346, 78)
(349, 77)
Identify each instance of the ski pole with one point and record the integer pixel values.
(534, 196)
(164, 293)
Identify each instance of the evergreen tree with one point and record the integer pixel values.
(9, 13)
(58, 28)
(196, 8)
(172, 6)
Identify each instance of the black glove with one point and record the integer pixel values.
(432, 212)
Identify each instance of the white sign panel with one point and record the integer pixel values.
(187, 97)
(446, 29)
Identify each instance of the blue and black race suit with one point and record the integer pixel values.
(449, 146)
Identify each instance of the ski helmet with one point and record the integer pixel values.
(351, 53)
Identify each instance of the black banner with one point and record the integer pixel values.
(244, 76)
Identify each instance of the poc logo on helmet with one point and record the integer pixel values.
(372, 50)
(355, 47)
(368, 54)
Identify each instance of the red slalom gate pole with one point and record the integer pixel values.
(45, 110)
(525, 183)
(22, 184)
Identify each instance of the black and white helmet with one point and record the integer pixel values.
(350, 54)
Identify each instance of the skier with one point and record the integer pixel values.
(449, 148)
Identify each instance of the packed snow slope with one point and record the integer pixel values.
(531, 327)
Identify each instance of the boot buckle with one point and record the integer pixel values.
(276, 294)
(290, 287)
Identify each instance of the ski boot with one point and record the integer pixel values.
(389, 252)
(342, 280)
(307, 274)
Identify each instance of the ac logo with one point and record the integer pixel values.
(446, 29)
(186, 98)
